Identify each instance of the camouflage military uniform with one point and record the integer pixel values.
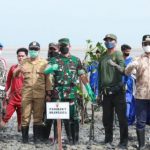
(2, 72)
(65, 81)
(2, 83)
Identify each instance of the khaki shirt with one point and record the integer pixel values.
(142, 66)
(35, 81)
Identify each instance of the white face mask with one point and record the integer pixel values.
(146, 49)
(0, 52)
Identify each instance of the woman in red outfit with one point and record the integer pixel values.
(13, 88)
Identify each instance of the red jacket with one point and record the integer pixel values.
(15, 85)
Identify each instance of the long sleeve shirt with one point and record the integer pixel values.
(109, 75)
(142, 66)
(14, 84)
(36, 83)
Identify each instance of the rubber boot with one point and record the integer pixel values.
(76, 131)
(55, 131)
(141, 138)
(37, 130)
(123, 137)
(72, 125)
(47, 129)
(25, 130)
(108, 135)
(68, 130)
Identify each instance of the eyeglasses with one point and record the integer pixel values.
(146, 43)
(33, 49)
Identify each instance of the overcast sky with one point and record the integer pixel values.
(22, 21)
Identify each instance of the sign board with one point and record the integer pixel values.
(57, 110)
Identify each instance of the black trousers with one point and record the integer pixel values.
(110, 103)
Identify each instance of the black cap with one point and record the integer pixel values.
(125, 47)
(54, 45)
(146, 38)
(34, 44)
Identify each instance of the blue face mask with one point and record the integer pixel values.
(33, 54)
(110, 45)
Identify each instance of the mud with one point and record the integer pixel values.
(10, 139)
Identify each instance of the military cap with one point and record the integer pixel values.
(146, 38)
(111, 36)
(125, 47)
(34, 44)
(54, 45)
(64, 41)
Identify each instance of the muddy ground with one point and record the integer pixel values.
(10, 139)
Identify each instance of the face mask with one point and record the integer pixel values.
(126, 54)
(110, 45)
(146, 49)
(64, 50)
(0, 52)
(33, 54)
(53, 54)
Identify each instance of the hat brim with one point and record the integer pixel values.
(145, 41)
(109, 38)
(34, 47)
(64, 43)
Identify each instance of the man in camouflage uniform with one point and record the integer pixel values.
(2, 81)
(35, 85)
(2, 68)
(66, 69)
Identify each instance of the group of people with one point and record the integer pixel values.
(34, 81)
(116, 83)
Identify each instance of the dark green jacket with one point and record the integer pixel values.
(109, 75)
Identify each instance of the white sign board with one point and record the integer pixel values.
(57, 110)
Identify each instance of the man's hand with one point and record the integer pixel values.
(112, 63)
(48, 98)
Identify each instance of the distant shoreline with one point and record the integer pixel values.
(10, 54)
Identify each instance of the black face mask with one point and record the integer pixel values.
(64, 50)
(126, 54)
(53, 54)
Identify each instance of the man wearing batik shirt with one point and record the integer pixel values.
(142, 66)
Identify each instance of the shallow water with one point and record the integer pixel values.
(10, 55)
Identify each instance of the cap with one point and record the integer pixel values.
(1, 46)
(146, 38)
(111, 36)
(64, 41)
(125, 47)
(54, 45)
(34, 44)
